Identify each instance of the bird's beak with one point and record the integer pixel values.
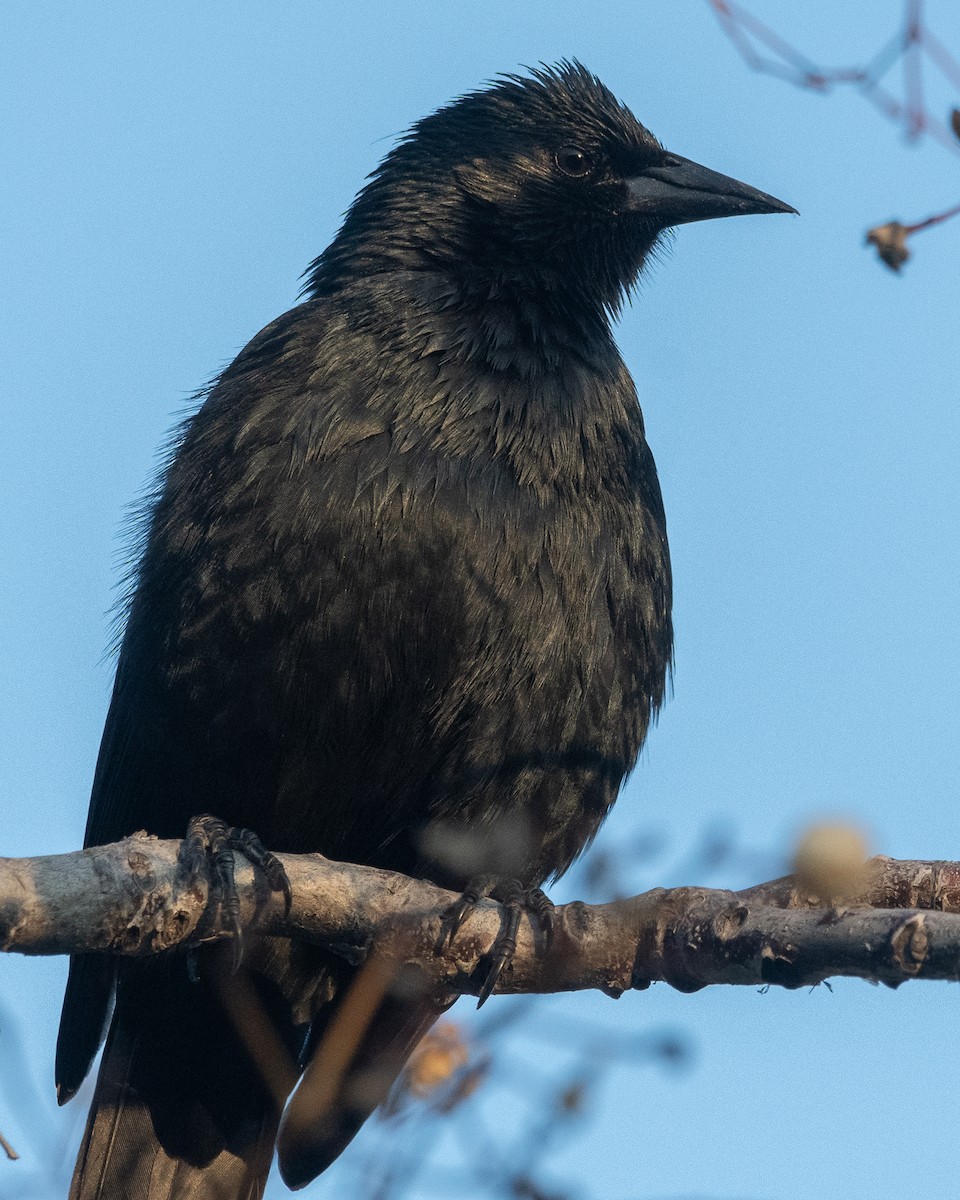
(678, 191)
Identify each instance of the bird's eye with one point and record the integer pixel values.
(572, 160)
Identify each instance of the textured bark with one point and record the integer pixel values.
(131, 898)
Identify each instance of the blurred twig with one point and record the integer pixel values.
(913, 45)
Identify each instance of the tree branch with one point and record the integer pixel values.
(131, 898)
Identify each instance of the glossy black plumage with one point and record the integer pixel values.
(404, 598)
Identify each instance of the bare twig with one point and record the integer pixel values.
(766, 51)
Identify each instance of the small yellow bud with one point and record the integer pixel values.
(829, 861)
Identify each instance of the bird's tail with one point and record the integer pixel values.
(191, 1087)
(354, 1056)
(195, 1076)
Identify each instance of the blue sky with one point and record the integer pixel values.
(169, 170)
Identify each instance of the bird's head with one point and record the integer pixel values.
(541, 184)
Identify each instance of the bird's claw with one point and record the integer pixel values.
(208, 848)
(539, 905)
(250, 846)
(514, 900)
(454, 916)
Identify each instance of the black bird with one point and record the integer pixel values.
(403, 598)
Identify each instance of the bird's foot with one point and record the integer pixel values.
(515, 899)
(209, 849)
